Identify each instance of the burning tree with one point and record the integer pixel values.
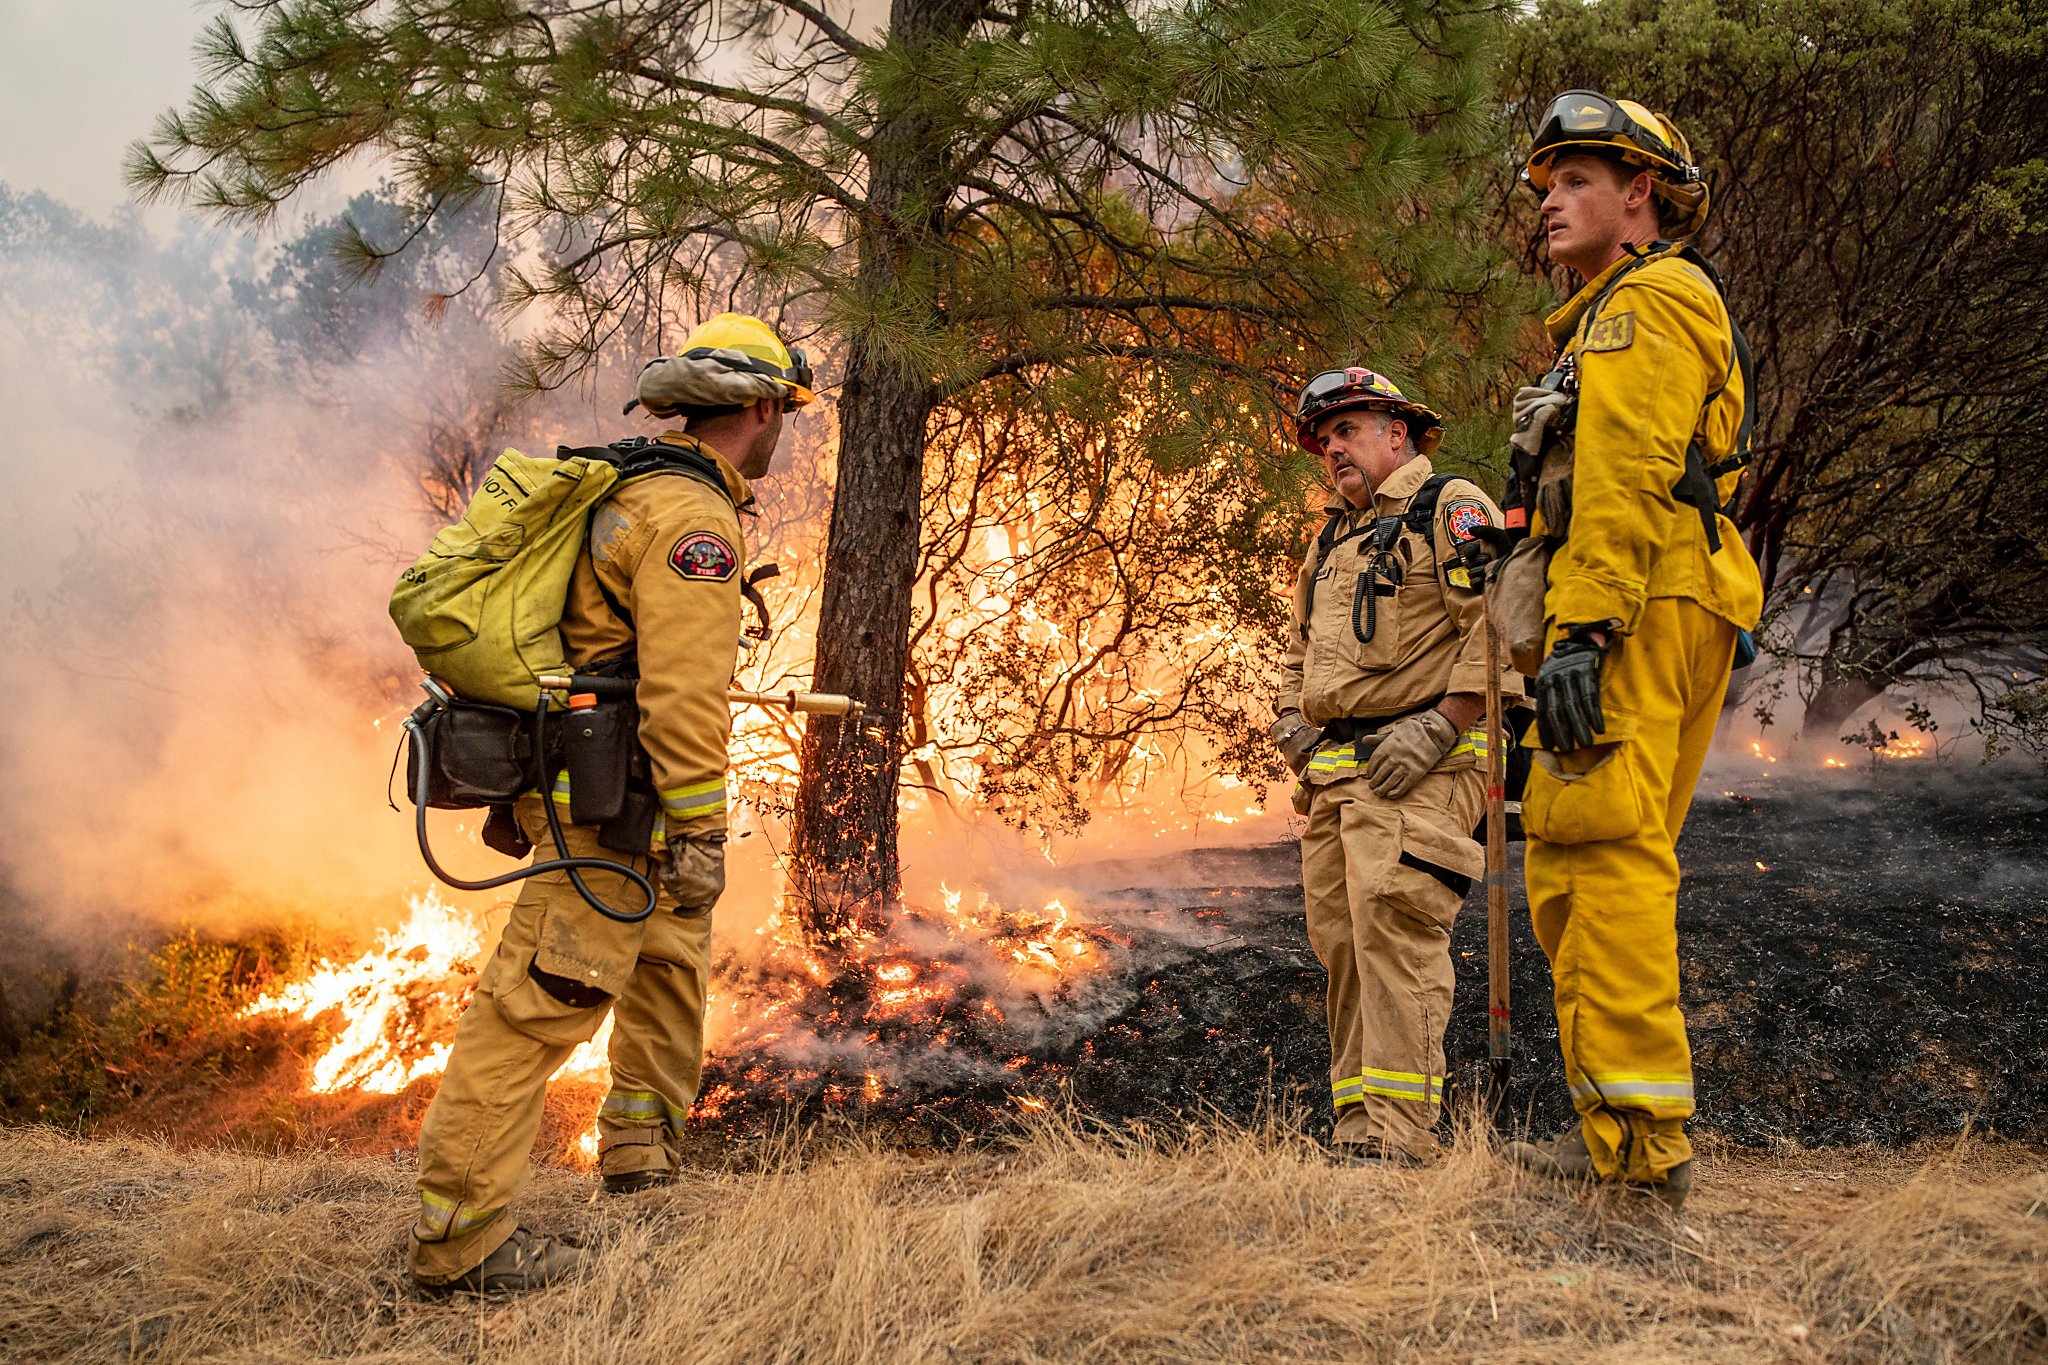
(1884, 253)
(1116, 228)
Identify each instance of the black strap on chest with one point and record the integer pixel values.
(1416, 517)
(640, 455)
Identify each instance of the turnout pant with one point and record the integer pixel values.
(1603, 885)
(1383, 880)
(558, 969)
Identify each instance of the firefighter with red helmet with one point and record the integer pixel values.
(1380, 714)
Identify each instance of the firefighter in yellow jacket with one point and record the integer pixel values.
(1648, 590)
(660, 581)
(1380, 712)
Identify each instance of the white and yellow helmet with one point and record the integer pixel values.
(730, 361)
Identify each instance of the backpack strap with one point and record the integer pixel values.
(637, 456)
(1326, 540)
(1422, 507)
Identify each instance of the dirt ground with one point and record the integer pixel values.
(1148, 1244)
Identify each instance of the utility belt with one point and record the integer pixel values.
(1345, 729)
(477, 755)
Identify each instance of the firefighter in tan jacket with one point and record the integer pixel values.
(659, 582)
(1380, 712)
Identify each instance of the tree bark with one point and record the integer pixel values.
(1834, 702)
(844, 845)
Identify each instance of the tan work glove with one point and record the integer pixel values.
(693, 871)
(1407, 753)
(1535, 409)
(1297, 739)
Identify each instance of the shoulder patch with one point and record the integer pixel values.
(1613, 333)
(704, 554)
(1464, 517)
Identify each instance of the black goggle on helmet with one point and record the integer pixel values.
(1589, 121)
(798, 371)
(1356, 387)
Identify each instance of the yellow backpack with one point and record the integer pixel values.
(482, 608)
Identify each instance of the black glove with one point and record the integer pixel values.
(1568, 692)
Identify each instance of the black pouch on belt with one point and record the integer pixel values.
(476, 754)
(597, 750)
(631, 831)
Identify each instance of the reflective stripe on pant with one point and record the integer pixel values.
(558, 969)
(1383, 880)
(1603, 885)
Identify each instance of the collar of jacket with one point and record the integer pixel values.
(1393, 495)
(735, 483)
(1565, 320)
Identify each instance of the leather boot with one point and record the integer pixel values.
(1565, 1158)
(524, 1262)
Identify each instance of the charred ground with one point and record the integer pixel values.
(1860, 954)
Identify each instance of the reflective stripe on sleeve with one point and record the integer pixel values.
(561, 792)
(1471, 742)
(1335, 759)
(686, 803)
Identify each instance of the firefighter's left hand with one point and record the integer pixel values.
(1568, 714)
(1408, 752)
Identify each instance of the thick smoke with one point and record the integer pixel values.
(197, 545)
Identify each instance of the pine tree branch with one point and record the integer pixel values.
(809, 113)
(818, 19)
(1018, 361)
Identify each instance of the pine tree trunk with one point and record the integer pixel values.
(844, 852)
(844, 848)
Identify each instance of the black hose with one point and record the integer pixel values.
(564, 863)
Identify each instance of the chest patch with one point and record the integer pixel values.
(1464, 517)
(702, 554)
(1611, 333)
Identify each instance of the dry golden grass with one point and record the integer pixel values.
(1202, 1245)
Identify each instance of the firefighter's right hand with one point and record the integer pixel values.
(1568, 714)
(1535, 409)
(693, 872)
(1297, 739)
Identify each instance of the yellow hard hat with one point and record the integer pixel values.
(727, 363)
(1622, 130)
(744, 341)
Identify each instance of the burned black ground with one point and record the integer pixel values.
(1861, 962)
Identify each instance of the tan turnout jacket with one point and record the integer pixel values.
(668, 550)
(1372, 648)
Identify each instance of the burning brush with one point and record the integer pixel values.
(915, 1015)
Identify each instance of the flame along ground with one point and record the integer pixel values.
(396, 1004)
